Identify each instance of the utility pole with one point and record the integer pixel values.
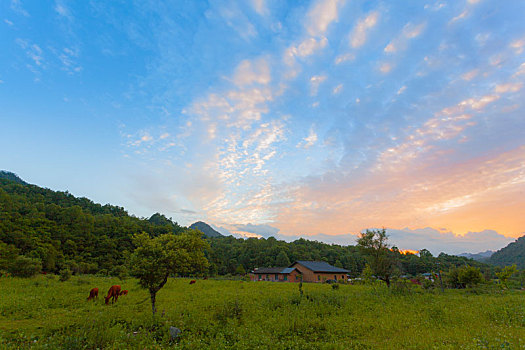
(440, 280)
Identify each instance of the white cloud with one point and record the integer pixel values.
(308, 141)
(33, 51)
(315, 81)
(8, 22)
(249, 72)
(410, 31)
(447, 242)
(344, 58)
(309, 46)
(16, 6)
(363, 26)
(508, 87)
(520, 71)
(518, 45)
(62, 10)
(459, 17)
(337, 89)
(401, 89)
(260, 7)
(385, 68)
(321, 15)
(468, 76)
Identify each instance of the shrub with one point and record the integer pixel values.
(335, 286)
(25, 267)
(470, 276)
(65, 274)
(119, 271)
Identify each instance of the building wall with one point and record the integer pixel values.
(265, 277)
(294, 276)
(310, 276)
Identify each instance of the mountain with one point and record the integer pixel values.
(483, 256)
(206, 229)
(12, 177)
(512, 254)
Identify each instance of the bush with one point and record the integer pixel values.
(470, 276)
(119, 271)
(335, 286)
(65, 274)
(25, 267)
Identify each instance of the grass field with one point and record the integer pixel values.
(45, 313)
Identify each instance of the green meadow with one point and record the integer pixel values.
(44, 313)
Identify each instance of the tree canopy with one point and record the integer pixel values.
(155, 259)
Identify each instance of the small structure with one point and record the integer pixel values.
(320, 271)
(306, 271)
(276, 274)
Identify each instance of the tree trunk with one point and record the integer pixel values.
(153, 294)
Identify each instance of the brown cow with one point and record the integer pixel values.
(193, 282)
(124, 292)
(113, 294)
(93, 293)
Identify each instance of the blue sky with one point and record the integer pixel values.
(315, 119)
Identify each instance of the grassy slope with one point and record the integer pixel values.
(233, 314)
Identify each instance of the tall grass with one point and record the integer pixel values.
(46, 313)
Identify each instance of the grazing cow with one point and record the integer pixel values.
(193, 282)
(124, 292)
(113, 294)
(93, 293)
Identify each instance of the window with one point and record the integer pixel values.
(318, 277)
(335, 278)
(343, 277)
(276, 277)
(267, 277)
(260, 277)
(285, 278)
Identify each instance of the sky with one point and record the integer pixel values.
(314, 119)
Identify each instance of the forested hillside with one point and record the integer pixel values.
(512, 254)
(61, 230)
(50, 230)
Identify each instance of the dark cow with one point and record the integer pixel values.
(193, 282)
(113, 294)
(93, 293)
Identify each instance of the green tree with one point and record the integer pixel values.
(367, 274)
(470, 276)
(8, 254)
(240, 270)
(374, 245)
(155, 259)
(25, 267)
(506, 273)
(282, 259)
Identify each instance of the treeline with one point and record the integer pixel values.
(229, 255)
(61, 231)
(48, 231)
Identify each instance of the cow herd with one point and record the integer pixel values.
(113, 293)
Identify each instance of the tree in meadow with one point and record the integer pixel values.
(382, 261)
(506, 273)
(155, 259)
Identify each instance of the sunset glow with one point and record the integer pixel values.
(314, 119)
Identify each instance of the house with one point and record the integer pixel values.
(306, 271)
(276, 274)
(319, 271)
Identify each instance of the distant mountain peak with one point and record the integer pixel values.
(206, 229)
(482, 256)
(4, 174)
